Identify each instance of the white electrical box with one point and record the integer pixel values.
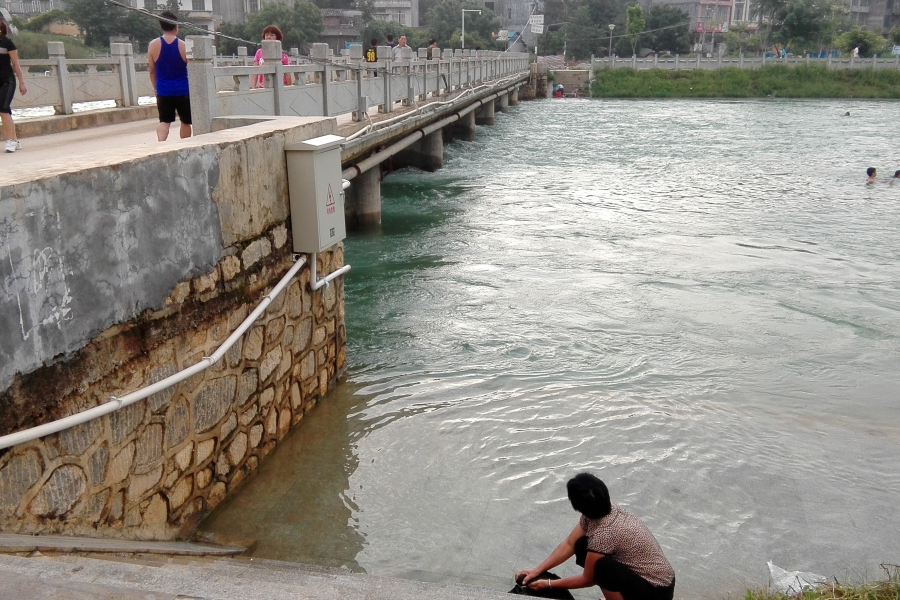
(316, 191)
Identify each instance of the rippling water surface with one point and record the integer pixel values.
(696, 300)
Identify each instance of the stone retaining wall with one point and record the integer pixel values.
(153, 469)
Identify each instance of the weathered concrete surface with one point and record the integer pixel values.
(13, 543)
(485, 114)
(154, 468)
(79, 257)
(37, 126)
(224, 580)
(463, 129)
(426, 154)
(362, 209)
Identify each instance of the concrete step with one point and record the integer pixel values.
(18, 587)
(10, 542)
(216, 579)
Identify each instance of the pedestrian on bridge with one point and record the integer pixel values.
(9, 71)
(272, 32)
(167, 65)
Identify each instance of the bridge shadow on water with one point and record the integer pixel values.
(297, 505)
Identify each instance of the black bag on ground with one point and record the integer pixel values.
(524, 590)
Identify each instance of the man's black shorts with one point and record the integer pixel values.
(167, 106)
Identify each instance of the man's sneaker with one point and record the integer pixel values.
(13, 145)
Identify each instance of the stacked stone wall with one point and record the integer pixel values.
(161, 253)
(154, 468)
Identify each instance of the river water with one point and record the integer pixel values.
(695, 300)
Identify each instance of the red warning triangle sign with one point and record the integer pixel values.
(330, 201)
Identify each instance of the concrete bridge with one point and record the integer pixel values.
(125, 265)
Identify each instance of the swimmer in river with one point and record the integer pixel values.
(871, 172)
(895, 177)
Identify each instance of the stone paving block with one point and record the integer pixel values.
(61, 491)
(97, 465)
(160, 399)
(270, 363)
(20, 473)
(178, 424)
(148, 448)
(256, 251)
(120, 466)
(124, 421)
(141, 484)
(213, 401)
(76, 440)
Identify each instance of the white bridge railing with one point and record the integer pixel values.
(329, 85)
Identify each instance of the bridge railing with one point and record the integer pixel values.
(329, 85)
(319, 85)
(60, 82)
(680, 63)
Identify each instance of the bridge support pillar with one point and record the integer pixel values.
(503, 103)
(362, 209)
(485, 114)
(514, 97)
(464, 129)
(427, 154)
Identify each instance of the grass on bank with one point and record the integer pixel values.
(888, 589)
(778, 81)
(34, 46)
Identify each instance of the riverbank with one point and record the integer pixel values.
(887, 589)
(775, 81)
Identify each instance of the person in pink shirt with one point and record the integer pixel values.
(269, 33)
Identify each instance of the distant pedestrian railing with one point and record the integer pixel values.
(61, 82)
(321, 84)
(327, 85)
(679, 63)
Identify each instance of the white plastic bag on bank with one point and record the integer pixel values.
(791, 583)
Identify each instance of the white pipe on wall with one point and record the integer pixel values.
(115, 403)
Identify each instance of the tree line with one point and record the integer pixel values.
(578, 28)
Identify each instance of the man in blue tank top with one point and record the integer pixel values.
(167, 64)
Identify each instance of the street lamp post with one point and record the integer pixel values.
(611, 27)
(462, 38)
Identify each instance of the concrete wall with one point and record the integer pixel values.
(117, 271)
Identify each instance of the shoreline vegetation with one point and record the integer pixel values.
(886, 589)
(776, 81)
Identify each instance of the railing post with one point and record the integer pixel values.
(57, 53)
(698, 60)
(828, 64)
(677, 56)
(117, 52)
(874, 62)
(319, 52)
(742, 60)
(202, 84)
(388, 105)
(131, 74)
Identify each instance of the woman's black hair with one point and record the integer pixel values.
(589, 496)
(4, 31)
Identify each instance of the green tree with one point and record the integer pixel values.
(379, 30)
(634, 25)
(445, 24)
(98, 21)
(894, 36)
(767, 11)
(804, 24)
(38, 23)
(668, 29)
(869, 42)
(301, 23)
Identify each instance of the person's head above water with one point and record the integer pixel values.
(589, 496)
(896, 174)
(871, 171)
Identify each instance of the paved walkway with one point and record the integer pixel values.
(47, 151)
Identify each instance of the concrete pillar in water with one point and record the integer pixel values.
(485, 114)
(426, 154)
(503, 103)
(362, 208)
(464, 129)
(514, 97)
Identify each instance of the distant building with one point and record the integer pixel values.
(874, 15)
(404, 12)
(30, 8)
(341, 27)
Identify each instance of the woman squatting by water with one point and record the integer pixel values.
(616, 549)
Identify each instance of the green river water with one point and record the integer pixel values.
(696, 300)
